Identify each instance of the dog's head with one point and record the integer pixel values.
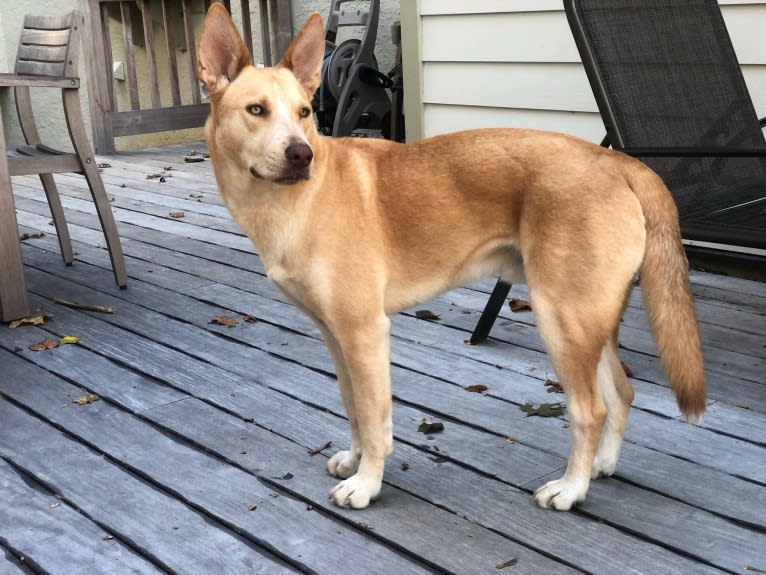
(261, 117)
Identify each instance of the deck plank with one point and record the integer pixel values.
(199, 417)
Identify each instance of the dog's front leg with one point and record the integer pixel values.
(344, 463)
(363, 347)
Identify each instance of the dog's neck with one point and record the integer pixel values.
(271, 212)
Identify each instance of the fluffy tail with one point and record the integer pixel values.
(667, 295)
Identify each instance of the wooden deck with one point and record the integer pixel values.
(196, 458)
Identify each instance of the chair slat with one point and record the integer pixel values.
(48, 22)
(53, 54)
(45, 37)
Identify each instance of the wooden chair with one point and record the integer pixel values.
(671, 92)
(47, 57)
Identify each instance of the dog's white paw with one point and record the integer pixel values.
(603, 466)
(343, 464)
(560, 494)
(355, 492)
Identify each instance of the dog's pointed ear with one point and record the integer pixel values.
(305, 54)
(222, 53)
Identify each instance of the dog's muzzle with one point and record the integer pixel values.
(298, 157)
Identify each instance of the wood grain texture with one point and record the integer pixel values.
(209, 416)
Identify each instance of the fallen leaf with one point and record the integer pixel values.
(167, 168)
(31, 320)
(509, 439)
(553, 386)
(543, 410)
(193, 159)
(626, 369)
(518, 305)
(54, 505)
(315, 450)
(153, 176)
(68, 339)
(426, 314)
(24, 237)
(274, 494)
(250, 319)
(509, 563)
(431, 427)
(252, 507)
(85, 399)
(44, 344)
(478, 388)
(224, 320)
(103, 165)
(85, 306)
(365, 525)
(177, 214)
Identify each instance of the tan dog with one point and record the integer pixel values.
(353, 230)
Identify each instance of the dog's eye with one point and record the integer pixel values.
(256, 110)
(304, 112)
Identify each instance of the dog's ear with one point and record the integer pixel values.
(305, 54)
(222, 53)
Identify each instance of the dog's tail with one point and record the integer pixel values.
(664, 277)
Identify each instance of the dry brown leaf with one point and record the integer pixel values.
(426, 314)
(518, 305)
(85, 306)
(226, 320)
(177, 214)
(553, 386)
(85, 399)
(153, 176)
(315, 450)
(250, 319)
(31, 320)
(44, 344)
(252, 507)
(477, 388)
(509, 563)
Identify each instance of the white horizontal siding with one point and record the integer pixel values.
(514, 63)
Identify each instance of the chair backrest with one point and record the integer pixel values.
(49, 45)
(665, 74)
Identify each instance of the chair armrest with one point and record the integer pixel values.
(698, 152)
(13, 80)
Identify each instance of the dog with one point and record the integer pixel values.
(353, 230)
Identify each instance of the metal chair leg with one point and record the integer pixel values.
(491, 310)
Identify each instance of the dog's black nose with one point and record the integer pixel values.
(299, 155)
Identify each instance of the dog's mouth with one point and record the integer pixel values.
(287, 179)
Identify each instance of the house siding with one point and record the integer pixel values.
(499, 63)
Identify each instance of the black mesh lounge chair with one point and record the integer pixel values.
(670, 92)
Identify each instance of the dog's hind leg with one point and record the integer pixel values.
(574, 341)
(365, 349)
(617, 394)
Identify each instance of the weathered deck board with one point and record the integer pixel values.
(199, 420)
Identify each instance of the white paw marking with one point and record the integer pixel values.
(343, 464)
(560, 494)
(355, 492)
